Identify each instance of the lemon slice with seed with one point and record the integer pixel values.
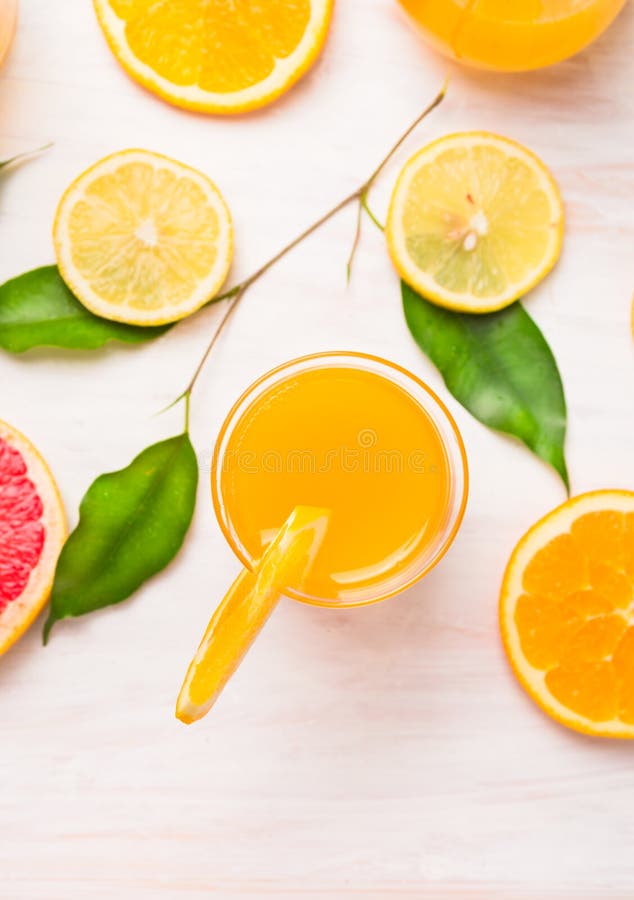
(143, 239)
(246, 608)
(475, 221)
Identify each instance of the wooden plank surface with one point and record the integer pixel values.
(384, 752)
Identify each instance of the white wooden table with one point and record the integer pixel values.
(384, 752)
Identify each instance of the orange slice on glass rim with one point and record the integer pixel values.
(213, 56)
(246, 608)
(567, 613)
(32, 533)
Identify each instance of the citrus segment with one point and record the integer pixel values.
(615, 586)
(587, 689)
(624, 668)
(246, 607)
(21, 529)
(603, 536)
(32, 532)
(628, 547)
(594, 640)
(558, 569)
(543, 626)
(215, 56)
(567, 613)
(475, 221)
(143, 239)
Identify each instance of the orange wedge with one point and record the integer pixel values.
(567, 613)
(245, 609)
(214, 56)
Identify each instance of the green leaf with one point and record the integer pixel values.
(38, 310)
(500, 368)
(131, 525)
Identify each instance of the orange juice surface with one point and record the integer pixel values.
(355, 442)
(512, 34)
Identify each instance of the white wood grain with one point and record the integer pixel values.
(384, 752)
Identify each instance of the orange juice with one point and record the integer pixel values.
(512, 35)
(358, 436)
(8, 18)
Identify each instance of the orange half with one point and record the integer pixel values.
(567, 613)
(213, 56)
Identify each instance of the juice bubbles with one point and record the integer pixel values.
(512, 35)
(357, 436)
(8, 19)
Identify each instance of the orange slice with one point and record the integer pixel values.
(245, 609)
(567, 613)
(214, 56)
(32, 533)
(143, 239)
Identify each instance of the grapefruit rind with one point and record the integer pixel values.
(20, 613)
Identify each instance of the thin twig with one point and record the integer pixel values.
(363, 193)
(361, 207)
(364, 204)
(287, 249)
(20, 157)
(440, 96)
(188, 397)
(235, 294)
(231, 306)
(355, 241)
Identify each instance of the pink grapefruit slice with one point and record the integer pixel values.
(32, 533)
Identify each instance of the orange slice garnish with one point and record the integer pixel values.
(245, 609)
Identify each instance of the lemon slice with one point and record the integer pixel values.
(475, 222)
(567, 613)
(143, 239)
(214, 56)
(246, 607)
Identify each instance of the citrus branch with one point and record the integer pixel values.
(235, 294)
(356, 239)
(364, 204)
(20, 157)
(231, 307)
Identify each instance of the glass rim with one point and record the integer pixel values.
(434, 407)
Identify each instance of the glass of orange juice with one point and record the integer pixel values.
(359, 436)
(512, 35)
(8, 20)
(338, 479)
